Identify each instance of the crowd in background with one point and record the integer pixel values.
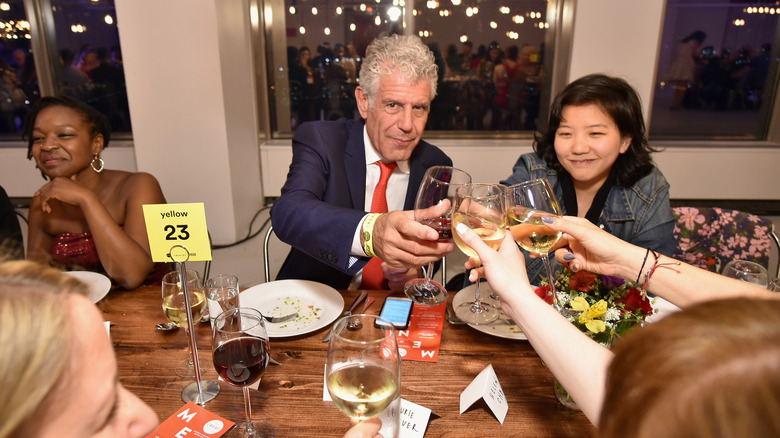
(490, 88)
(92, 75)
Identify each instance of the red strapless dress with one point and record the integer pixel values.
(78, 250)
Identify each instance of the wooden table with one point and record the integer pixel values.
(290, 394)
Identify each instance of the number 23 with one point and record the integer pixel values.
(183, 233)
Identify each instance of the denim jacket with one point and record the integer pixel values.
(640, 214)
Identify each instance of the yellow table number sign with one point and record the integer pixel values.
(177, 226)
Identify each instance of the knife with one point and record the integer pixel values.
(348, 312)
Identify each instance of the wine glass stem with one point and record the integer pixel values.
(477, 306)
(551, 281)
(250, 429)
(428, 273)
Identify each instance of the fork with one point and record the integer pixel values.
(277, 319)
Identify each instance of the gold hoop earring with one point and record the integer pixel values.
(100, 161)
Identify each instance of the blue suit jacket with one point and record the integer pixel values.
(323, 199)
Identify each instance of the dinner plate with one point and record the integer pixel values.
(317, 305)
(501, 327)
(98, 284)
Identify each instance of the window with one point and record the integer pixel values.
(490, 56)
(76, 47)
(716, 71)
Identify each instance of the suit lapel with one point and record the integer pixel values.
(355, 163)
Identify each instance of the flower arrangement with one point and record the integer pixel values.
(600, 305)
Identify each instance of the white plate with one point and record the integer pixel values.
(500, 327)
(662, 309)
(98, 284)
(317, 305)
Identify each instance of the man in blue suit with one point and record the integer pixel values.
(329, 189)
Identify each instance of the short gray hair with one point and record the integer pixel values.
(397, 54)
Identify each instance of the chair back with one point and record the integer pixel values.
(711, 237)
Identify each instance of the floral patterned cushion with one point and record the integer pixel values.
(711, 237)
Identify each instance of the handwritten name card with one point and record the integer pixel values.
(485, 386)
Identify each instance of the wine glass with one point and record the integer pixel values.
(747, 271)
(774, 285)
(175, 311)
(527, 204)
(433, 207)
(221, 294)
(240, 353)
(481, 207)
(363, 368)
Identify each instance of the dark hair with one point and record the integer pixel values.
(89, 114)
(619, 101)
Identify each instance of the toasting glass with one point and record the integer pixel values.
(527, 204)
(433, 207)
(481, 207)
(240, 353)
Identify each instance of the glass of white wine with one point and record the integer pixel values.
(527, 204)
(175, 309)
(481, 207)
(363, 369)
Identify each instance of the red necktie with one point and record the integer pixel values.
(373, 276)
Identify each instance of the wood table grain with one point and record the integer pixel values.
(290, 394)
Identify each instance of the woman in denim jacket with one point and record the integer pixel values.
(597, 159)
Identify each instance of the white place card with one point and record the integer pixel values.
(485, 386)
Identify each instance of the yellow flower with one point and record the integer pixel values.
(590, 313)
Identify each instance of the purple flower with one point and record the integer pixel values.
(612, 282)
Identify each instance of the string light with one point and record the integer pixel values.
(326, 30)
(352, 27)
(377, 20)
(5, 6)
(109, 19)
(363, 7)
(464, 38)
(314, 10)
(394, 13)
(339, 10)
(519, 19)
(493, 25)
(456, 2)
(302, 30)
(504, 10)
(292, 10)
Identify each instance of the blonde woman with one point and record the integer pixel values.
(58, 372)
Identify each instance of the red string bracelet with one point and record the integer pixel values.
(656, 265)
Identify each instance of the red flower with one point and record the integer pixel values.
(582, 281)
(544, 293)
(635, 300)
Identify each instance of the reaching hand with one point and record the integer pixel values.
(404, 243)
(586, 246)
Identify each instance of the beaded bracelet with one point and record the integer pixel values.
(368, 229)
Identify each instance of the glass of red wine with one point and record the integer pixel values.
(433, 207)
(240, 354)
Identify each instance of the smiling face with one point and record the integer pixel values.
(587, 144)
(62, 142)
(91, 401)
(396, 120)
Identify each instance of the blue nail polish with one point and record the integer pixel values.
(575, 268)
(568, 256)
(547, 219)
